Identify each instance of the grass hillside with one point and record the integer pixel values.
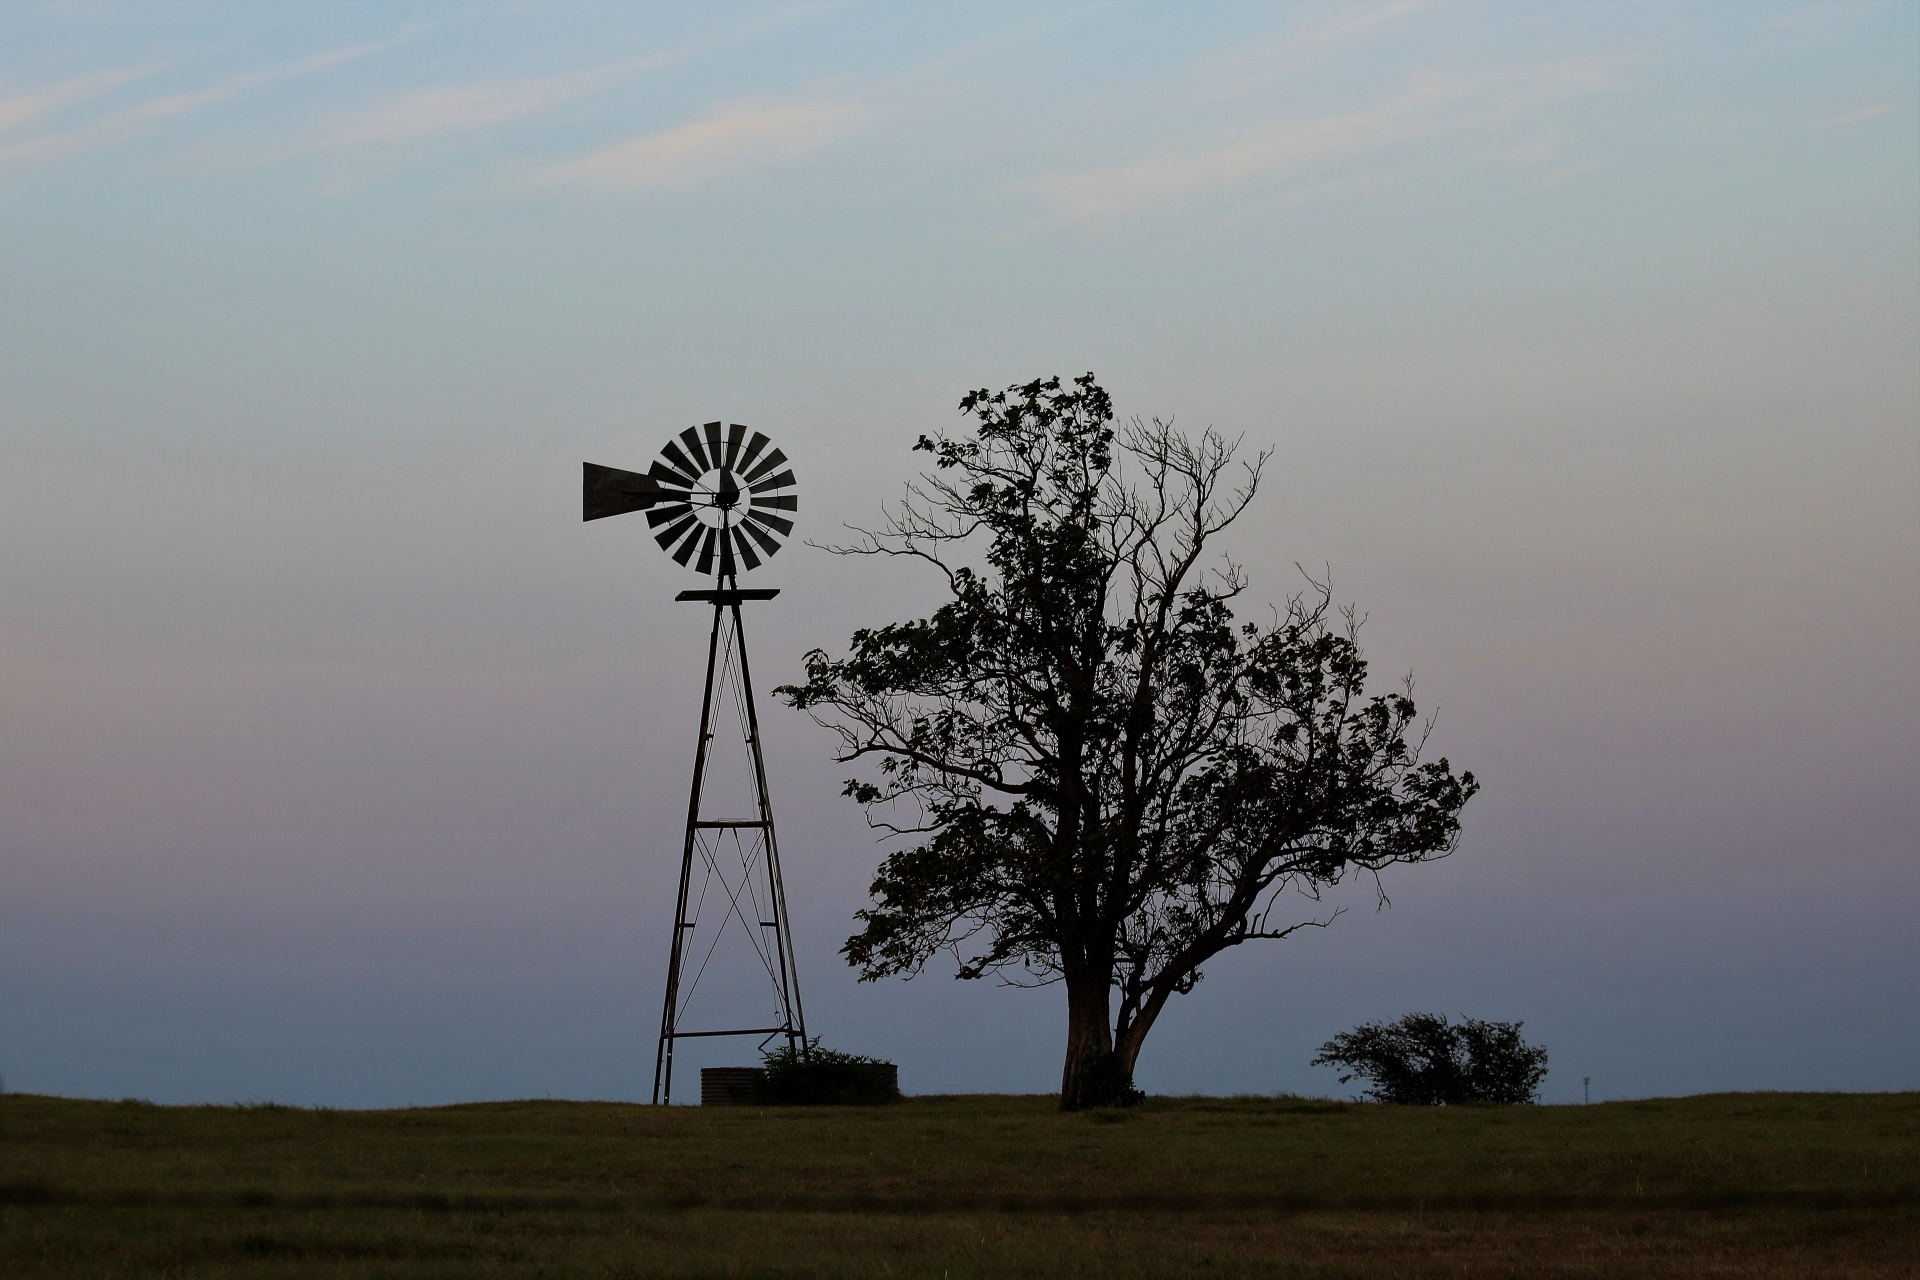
(1727, 1185)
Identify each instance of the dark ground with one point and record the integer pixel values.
(1724, 1185)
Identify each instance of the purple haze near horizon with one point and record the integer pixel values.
(344, 765)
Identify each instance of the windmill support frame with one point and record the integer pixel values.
(718, 500)
(726, 601)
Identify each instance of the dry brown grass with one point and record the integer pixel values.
(1730, 1185)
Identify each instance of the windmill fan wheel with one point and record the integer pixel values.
(719, 498)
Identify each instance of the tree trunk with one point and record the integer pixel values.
(1127, 1046)
(1089, 1037)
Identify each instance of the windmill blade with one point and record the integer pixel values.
(754, 446)
(783, 525)
(779, 501)
(681, 462)
(609, 491)
(746, 548)
(734, 434)
(765, 465)
(684, 552)
(691, 438)
(669, 476)
(767, 543)
(715, 450)
(781, 481)
(666, 511)
(727, 568)
(706, 552)
(671, 534)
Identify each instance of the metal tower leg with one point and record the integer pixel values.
(663, 1055)
(796, 1018)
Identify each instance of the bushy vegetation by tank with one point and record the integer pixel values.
(817, 1076)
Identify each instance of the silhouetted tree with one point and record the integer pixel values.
(1105, 777)
(1422, 1060)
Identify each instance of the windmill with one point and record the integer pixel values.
(720, 501)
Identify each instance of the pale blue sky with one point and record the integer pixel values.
(340, 763)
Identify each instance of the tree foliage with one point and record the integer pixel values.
(1423, 1060)
(1100, 774)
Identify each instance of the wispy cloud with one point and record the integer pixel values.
(1432, 106)
(132, 123)
(771, 130)
(19, 109)
(1304, 45)
(393, 130)
(1826, 17)
(1861, 116)
(733, 136)
(424, 116)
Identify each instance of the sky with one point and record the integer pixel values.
(341, 763)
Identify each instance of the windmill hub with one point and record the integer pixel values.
(716, 494)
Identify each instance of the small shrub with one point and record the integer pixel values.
(1423, 1060)
(817, 1077)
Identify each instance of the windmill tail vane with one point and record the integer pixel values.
(720, 501)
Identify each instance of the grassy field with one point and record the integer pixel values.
(1727, 1185)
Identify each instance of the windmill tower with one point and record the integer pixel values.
(720, 500)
